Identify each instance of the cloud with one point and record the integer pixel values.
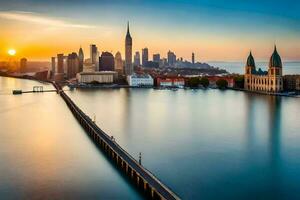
(36, 18)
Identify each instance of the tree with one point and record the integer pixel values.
(222, 83)
(194, 82)
(204, 82)
(239, 81)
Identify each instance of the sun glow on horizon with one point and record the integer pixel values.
(11, 52)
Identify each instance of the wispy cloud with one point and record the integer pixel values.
(36, 18)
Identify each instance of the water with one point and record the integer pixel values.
(206, 144)
(45, 154)
(239, 67)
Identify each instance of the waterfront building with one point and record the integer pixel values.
(128, 53)
(264, 81)
(96, 77)
(145, 56)
(60, 63)
(139, 80)
(94, 54)
(106, 62)
(171, 58)
(170, 82)
(23, 65)
(137, 59)
(291, 82)
(72, 65)
(156, 58)
(119, 63)
(81, 59)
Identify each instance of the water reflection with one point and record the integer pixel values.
(275, 127)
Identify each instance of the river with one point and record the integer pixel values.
(206, 144)
(203, 144)
(45, 154)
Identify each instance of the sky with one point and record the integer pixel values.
(216, 30)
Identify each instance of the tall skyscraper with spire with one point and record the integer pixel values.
(128, 53)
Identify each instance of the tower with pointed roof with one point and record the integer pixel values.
(270, 81)
(128, 53)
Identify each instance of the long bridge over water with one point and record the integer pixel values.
(141, 177)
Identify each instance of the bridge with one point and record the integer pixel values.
(143, 179)
(34, 90)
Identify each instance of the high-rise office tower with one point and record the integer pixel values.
(171, 58)
(106, 62)
(60, 63)
(53, 66)
(119, 63)
(137, 59)
(144, 56)
(81, 59)
(156, 58)
(23, 65)
(128, 53)
(193, 58)
(72, 65)
(93, 53)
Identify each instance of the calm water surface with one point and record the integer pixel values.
(206, 144)
(44, 153)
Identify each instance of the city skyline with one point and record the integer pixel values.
(213, 30)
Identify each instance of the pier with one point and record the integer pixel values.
(143, 179)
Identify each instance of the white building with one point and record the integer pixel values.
(100, 77)
(137, 80)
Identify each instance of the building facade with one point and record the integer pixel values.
(72, 65)
(156, 58)
(106, 62)
(137, 59)
(60, 63)
(81, 59)
(128, 53)
(119, 63)
(291, 82)
(171, 58)
(139, 80)
(145, 56)
(93, 53)
(23, 65)
(98, 77)
(270, 81)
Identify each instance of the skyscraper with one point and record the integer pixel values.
(193, 58)
(128, 53)
(72, 65)
(118, 63)
(171, 58)
(93, 53)
(137, 59)
(144, 56)
(106, 62)
(23, 65)
(156, 58)
(81, 59)
(53, 66)
(60, 63)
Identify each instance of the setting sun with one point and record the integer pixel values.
(12, 52)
